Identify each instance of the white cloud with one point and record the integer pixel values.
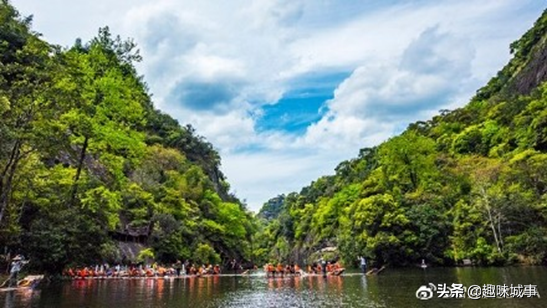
(407, 60)
(201, 41)
(370, 105)
(274, 172)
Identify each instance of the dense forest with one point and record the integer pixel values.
(87, 162)
(469, 184)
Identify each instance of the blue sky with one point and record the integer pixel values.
(287, 89)
(301, 104)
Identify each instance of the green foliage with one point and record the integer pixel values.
(467, 184)
(205, 254)
(86, 160)
(64, 237)
(522, 51)
(529, 246)
(110, 252)
(146, 255)
(272, 208)
(166, 238)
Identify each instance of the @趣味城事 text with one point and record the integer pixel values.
(458, 290)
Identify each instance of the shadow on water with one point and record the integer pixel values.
(393, 288)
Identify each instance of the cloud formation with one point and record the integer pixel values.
(204, 95)
(231, 68)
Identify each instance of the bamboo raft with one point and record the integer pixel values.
(27, 283)
(254, 275)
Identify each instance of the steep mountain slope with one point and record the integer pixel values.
(468, 184)
(86, 161)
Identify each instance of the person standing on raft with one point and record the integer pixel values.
(234, 265)
(363, 264)
(178, 267)
(323, 266)
(16, 265)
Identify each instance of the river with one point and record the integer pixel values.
(393, 288)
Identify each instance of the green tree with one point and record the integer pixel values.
(205, 254)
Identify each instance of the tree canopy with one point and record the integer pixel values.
(467, 184)
(87, 161)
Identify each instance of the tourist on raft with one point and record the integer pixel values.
(16, 265)
(140, 270)
(363, 262)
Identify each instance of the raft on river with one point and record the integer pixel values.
(28, 283)
(339, 273)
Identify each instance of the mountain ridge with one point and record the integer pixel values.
(466, 184)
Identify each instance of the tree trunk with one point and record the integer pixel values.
(78, 171)
(492, 225)
(499, 230)
(7, 177)
(491, 221)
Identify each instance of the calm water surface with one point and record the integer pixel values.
(393, 288)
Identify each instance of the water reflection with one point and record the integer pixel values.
(393, 288)
(10, 300)
(19, 298)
